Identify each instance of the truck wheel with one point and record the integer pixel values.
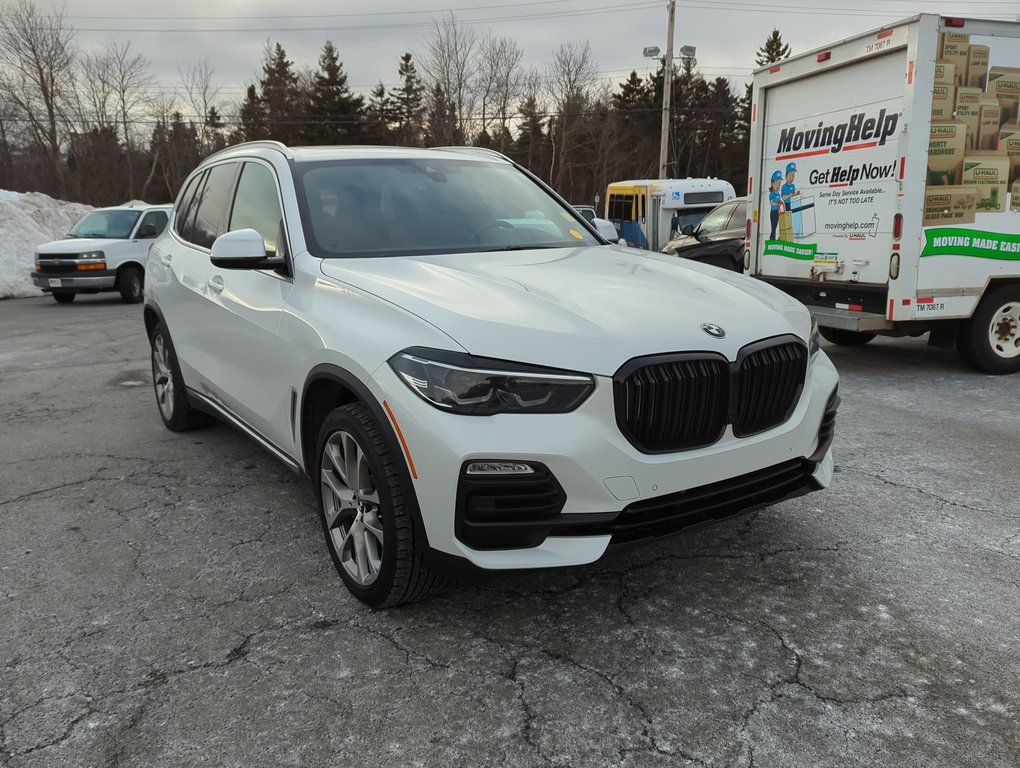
(129, 283)
(990, 340)
(365, 518)
(171, 397)
(845, 338)
(64, 297)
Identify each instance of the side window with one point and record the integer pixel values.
(153, 224)
(716, 219)
(257, 205)
(739, 218)
(186, 206)
(213, 201)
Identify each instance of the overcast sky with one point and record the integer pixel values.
(371, 35)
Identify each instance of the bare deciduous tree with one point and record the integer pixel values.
(36, 67)
(202, 96)
(449, 62)
(500, 85)
(573, 76)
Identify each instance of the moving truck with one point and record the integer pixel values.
(885, 185)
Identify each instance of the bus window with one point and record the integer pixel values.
(621, 207)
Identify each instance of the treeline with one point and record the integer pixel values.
(93, 126)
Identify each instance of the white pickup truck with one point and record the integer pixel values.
(105, 251)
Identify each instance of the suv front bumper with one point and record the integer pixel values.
(614, 495)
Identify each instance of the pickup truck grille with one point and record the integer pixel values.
(680, 402)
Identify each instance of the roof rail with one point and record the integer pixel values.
(265, 143)
(475, 151)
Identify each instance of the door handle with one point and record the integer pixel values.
(166, 259)
(215, 285)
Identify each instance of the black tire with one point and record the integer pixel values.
(64, 297)
(845, 338)
(399, 560)
(130, 283)
(990, 341)
(168, 384)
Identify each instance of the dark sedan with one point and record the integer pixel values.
(718, 239)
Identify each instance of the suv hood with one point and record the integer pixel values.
(586, 309)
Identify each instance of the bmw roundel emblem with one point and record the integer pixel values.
(713, 330)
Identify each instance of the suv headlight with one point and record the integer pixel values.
(459, 383)
(814, 342)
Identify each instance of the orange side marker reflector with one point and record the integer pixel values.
(403, 442)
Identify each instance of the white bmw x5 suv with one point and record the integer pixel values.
(467, 371)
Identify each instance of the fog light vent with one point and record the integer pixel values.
(499, 468)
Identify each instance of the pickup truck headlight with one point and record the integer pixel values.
(814, 341)
(92, 255)
(460, 383)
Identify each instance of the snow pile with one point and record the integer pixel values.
(26, 221)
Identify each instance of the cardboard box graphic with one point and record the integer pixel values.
(1009, 145)
(988, 172)
(949, 205)
(988, 123)
(943, 102)
(956, 50)
(947, 145)
(945, 72)
(1014, 198)
(1004, 84)
(977, 66)
(968, 110)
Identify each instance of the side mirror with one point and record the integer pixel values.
(687, 230)
(240, 249)
(606, 228)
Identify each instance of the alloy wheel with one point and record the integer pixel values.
(162, 377)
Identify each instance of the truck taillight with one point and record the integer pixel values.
(747, 229)
(897, 226)
(824, 56)
(953, 21)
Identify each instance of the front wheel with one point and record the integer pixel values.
(990, 340)
(129, 283)
(168, 383)
(845, 338)
(365, 516)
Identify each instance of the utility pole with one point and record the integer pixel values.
(667, 93)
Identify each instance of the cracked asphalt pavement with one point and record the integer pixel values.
(168, 600)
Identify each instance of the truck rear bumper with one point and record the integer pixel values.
(850, 320)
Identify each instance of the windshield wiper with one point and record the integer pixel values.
(522, 248)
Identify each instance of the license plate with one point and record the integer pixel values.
(54, 283)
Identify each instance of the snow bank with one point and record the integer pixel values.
(28, 220)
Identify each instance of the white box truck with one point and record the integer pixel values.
(884, 179)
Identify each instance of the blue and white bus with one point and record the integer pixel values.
(647, 213)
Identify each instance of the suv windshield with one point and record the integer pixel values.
(414, 206)
(108, 224)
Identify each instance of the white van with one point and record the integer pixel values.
(105, 251)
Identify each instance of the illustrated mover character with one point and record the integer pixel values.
(788, 192)
(775, 202)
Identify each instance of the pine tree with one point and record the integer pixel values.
(773, 50)
(336, 116)
(281, 97)
(408, 105)
(441, 125)
(251, 118)
(640, 119)
(378, 117)
(531, 149)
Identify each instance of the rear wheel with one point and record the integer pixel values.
(365, 516)
(129, 283)
(64, 297)
(845, 338)
(171, 396)
(990, 340)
